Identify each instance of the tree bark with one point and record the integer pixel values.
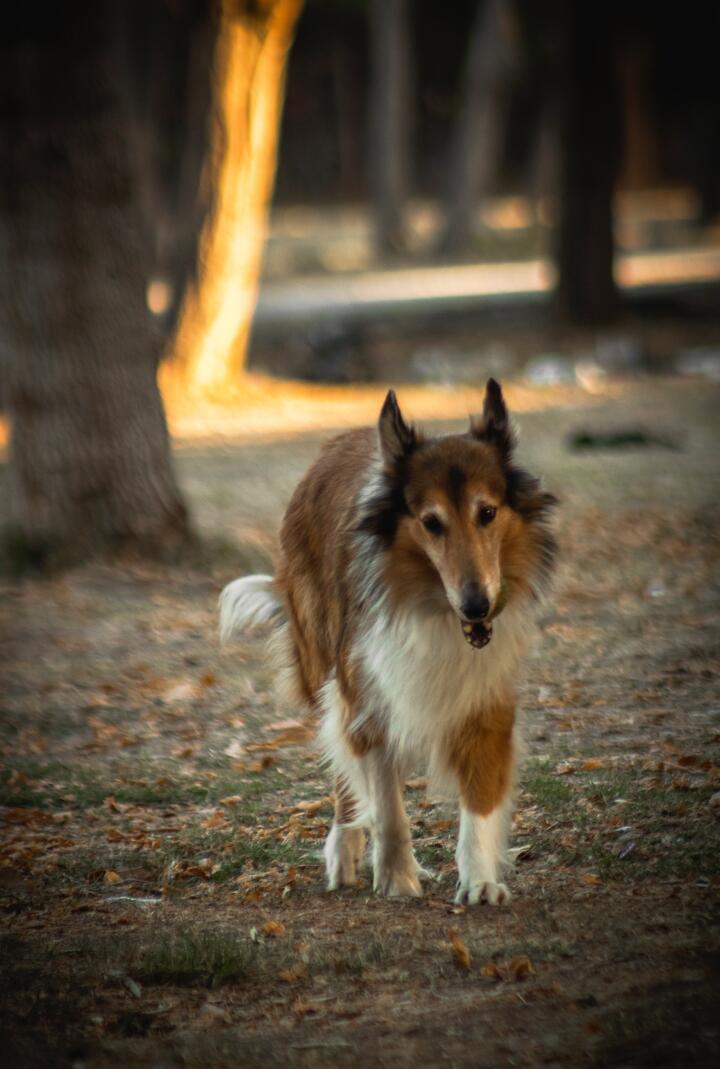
(167, 54)
(389, 121)
(490, 65)
(589, 157)
(89, 452)
(250, 61)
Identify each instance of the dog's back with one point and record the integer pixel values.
(316, 541)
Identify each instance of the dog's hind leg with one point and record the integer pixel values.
(368, 793)
(395, 870)
(345, 844)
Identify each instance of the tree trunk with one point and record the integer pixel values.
(589, 156)
(250, 61)
(389, 121)
(167, 52)
(89, 452)
(490, 65)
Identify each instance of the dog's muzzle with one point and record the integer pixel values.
(479, 632)
(477, 635)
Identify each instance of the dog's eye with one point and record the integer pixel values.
(486, 515)
(433, 525)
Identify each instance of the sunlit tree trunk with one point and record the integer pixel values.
(253, 41)
(89, 453)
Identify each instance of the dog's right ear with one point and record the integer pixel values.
(396, 438)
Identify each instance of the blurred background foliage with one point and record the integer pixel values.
(338, 191)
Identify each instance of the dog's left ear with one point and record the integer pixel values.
(494, 424)
(396, 438)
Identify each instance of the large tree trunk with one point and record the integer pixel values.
(389, 121)
(250, 61)
(589, 154)
(491, 63)
(89, 453)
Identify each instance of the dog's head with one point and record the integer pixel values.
(464, 527)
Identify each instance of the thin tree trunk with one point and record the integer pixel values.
(389, 121)
(89, 452)
(490, 65)
(589, 154)
(250, 63)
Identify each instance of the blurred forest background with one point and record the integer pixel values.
(415, 193)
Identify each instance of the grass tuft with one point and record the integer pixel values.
(212, 958)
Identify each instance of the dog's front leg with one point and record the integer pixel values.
(395, 870)
(484, 766)
(479, 856)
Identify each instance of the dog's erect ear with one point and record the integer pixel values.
(396, 438)
(494, 424)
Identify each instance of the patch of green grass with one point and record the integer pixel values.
(210, 957)
(390, 948)
(25, 797)
(545, 788)
(432, 854)
(262, 853)
(56, 784)
(670, 832)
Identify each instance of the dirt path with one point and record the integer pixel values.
(161, 894)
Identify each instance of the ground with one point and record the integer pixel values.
(161, 890)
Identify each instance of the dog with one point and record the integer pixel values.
(401, 611)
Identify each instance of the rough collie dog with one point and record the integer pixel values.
(402, 607)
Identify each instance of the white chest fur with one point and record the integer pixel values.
(424, 679)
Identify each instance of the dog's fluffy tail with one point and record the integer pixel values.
(248, 603)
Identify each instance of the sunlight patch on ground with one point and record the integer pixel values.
(266, 407)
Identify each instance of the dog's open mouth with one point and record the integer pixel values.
(477, 635)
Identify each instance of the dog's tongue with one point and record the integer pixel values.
(477, 635)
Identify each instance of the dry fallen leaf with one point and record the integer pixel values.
(301, 1008)
(261, 765)
(564, 769)
(215, 820)
(111, 877)
(293, 973)
(310, 808)
(460, 953)
(274, 929)
(493, 971)
(520, 968)
(592, 763)
(232, 799)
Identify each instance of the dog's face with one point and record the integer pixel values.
(457, 516)
(465, 514)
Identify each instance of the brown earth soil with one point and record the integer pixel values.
(161, 893)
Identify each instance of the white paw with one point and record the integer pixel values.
(398, 885)
(397, 875)
(470, 893)
(343, 851)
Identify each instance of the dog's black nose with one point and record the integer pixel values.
(474, 605)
